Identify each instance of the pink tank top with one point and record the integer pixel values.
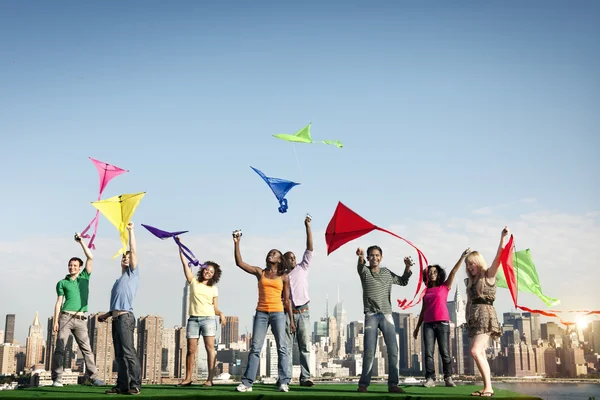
(434, 304)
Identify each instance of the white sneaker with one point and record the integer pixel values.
(243, 388)
(57, 383)
(429, 383)
(284, 388)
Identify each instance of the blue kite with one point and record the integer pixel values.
(280, 187)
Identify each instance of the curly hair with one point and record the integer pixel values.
(216, 276)
(441, 276)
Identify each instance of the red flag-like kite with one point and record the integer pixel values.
(346, 225)
(106, 172)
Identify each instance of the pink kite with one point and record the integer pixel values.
(106, 172)
(346, 225)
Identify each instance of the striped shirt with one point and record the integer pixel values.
(377, 288)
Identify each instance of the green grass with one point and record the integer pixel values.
(263, 392)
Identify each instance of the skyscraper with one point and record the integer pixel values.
(150, 329)
(9, 329)
(102, 346)
(230, 331)
(34, 353)
(50, 343)
(168, 352)
(185, 304)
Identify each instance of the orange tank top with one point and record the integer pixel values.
(269, 294)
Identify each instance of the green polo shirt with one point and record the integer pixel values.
(75, 291)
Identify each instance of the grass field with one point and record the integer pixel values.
(263, 392)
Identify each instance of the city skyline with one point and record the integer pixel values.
(526, 348)
(456, 120)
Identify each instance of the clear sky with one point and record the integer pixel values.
(457, 118)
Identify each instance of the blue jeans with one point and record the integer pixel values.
(385, 323)
(302, 335)
(440, 331)
(262, 320)
(129, 373)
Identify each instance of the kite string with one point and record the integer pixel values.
(298, 161)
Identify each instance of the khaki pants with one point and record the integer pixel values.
(68, 325)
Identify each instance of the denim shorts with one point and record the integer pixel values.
(205, 326)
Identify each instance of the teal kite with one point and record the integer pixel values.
(303, 136)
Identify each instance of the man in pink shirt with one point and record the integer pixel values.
(298, 275)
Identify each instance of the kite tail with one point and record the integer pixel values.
(84, 234)
(422, 264)
(283, 206)
(188, 254)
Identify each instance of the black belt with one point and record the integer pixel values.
(479, 300)
(81, 317)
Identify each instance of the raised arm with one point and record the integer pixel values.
(450, 278)
(287, 303)
(187, 271)
(403, 280)
(133, 262)
(309, 240)
(493, 270)
(361, 260)
(256, 271)
(89, 258)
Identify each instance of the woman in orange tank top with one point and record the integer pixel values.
(273, 299)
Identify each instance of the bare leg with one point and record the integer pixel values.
(192, 345)
(209, 344)
(478, 345)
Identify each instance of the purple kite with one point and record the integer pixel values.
(280, 187)
(106, 172)
(163, 235)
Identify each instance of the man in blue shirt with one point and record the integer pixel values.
(129, 378)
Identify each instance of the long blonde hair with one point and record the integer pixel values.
(477, 259)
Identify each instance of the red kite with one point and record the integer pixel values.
(346, 225)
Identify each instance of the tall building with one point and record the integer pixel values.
(180, 355)
(342, 320)
(150, 329)
(230, 331)
(102, 346)
(410, 348)
(34, 353)
(456, 308)
(185, 304)
(9, 329)
(50, 343)
(168, 353)
(1, 335)
(536, 332)
(8, 361)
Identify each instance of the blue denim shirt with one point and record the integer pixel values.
(124, 290)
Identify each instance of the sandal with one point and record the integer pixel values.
(477, 393)
(487, 394)
(184, 384)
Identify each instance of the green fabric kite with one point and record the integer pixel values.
(526, 277)
(303, 136)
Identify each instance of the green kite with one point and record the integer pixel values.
(303, 136)
(526, 277)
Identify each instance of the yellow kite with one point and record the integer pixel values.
(119, 210)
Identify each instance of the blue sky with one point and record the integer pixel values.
(444, 109)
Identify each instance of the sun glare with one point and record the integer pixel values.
(582, 322)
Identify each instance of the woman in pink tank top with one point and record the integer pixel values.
(436, 319)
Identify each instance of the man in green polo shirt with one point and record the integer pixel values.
(69, 317)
